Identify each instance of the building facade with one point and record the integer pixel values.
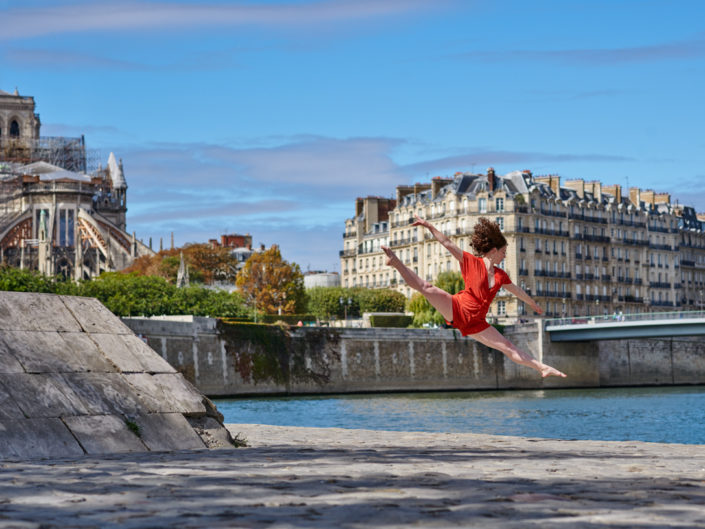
(54, 216)
(578, 247)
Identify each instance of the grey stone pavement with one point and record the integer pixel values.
(310, 477)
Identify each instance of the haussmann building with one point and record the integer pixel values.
(578, 247)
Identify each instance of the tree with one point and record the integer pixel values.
(325, 302)
(424, 313)
(14, 279)
(269, 283)
(207, 263)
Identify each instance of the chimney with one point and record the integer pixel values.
(403, 191)
(614, 190)
(553, 181)
(437, 183)
(577, 185)
(635, 196)
(662, 198)
(491, 178)
(648, 197)
(596, 186)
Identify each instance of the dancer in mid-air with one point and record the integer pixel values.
(467, 309)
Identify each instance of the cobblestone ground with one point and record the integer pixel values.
(310, 477)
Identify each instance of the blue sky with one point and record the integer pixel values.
(270, 118)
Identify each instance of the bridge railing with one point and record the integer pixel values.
(620, 318)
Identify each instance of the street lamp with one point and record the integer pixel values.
(280, 299)
(344, 303)
(563, 314)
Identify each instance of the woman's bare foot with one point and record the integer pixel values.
(548, 371)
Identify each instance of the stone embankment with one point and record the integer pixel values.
(75, 380)
(242, 359)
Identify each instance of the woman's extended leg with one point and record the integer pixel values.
(441, 300)
(491, 337)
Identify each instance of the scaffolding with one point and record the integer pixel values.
(68, 153)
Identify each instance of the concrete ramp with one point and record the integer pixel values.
(75, 380)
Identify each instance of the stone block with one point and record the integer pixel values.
(93, 317)
(43, 395)
(361, 363)
(470, 365)
(428, 361)
(688, 361)
(105, 393)
(8, 362)
(114, 350)
(8, 407)
(104, 434)
(53, 352)
(167, 393)
(613, 363)
(130, 354)
(212, 433)
(36, 438)
(25, 311)
(650, 361)
(148, 358)
(168, 431)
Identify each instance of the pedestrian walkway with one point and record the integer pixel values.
(311, 477)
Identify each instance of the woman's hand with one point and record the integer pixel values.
(536, 307)
(420, 222)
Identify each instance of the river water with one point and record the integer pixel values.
(663, 414)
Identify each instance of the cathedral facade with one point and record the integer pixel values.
(55, 216)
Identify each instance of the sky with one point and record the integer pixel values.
(271, 117)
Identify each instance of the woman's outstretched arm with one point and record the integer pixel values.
(445, 241)
(523, 296)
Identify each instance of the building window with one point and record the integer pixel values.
(500, 221)
(14, 129)
(502, 308)
(499, 204)
(482, 204)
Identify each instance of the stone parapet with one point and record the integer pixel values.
(76, 380)
(245, 359)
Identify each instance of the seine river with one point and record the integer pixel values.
(664, 414)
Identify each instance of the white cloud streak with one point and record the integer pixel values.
(24, 23)
(669, 51)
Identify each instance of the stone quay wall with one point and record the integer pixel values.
(244, 359)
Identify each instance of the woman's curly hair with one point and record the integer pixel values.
(486, 236)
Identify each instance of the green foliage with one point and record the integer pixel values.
(390, 320)
(325, 302)
(424, 313)
(133, 427)
(451, 282)
(132, 294)
(380, 300)
(291, 319)
(14, 279)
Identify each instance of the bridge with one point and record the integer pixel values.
(616, 327)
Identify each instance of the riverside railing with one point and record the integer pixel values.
(621, 318)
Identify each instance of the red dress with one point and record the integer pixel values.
(470, 306)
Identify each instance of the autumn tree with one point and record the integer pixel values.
(424, 312)
(206, 263)
(270, 283)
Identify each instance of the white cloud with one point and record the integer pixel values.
(685, 49)
(55, 19)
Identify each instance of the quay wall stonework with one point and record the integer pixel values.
(244, 359)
